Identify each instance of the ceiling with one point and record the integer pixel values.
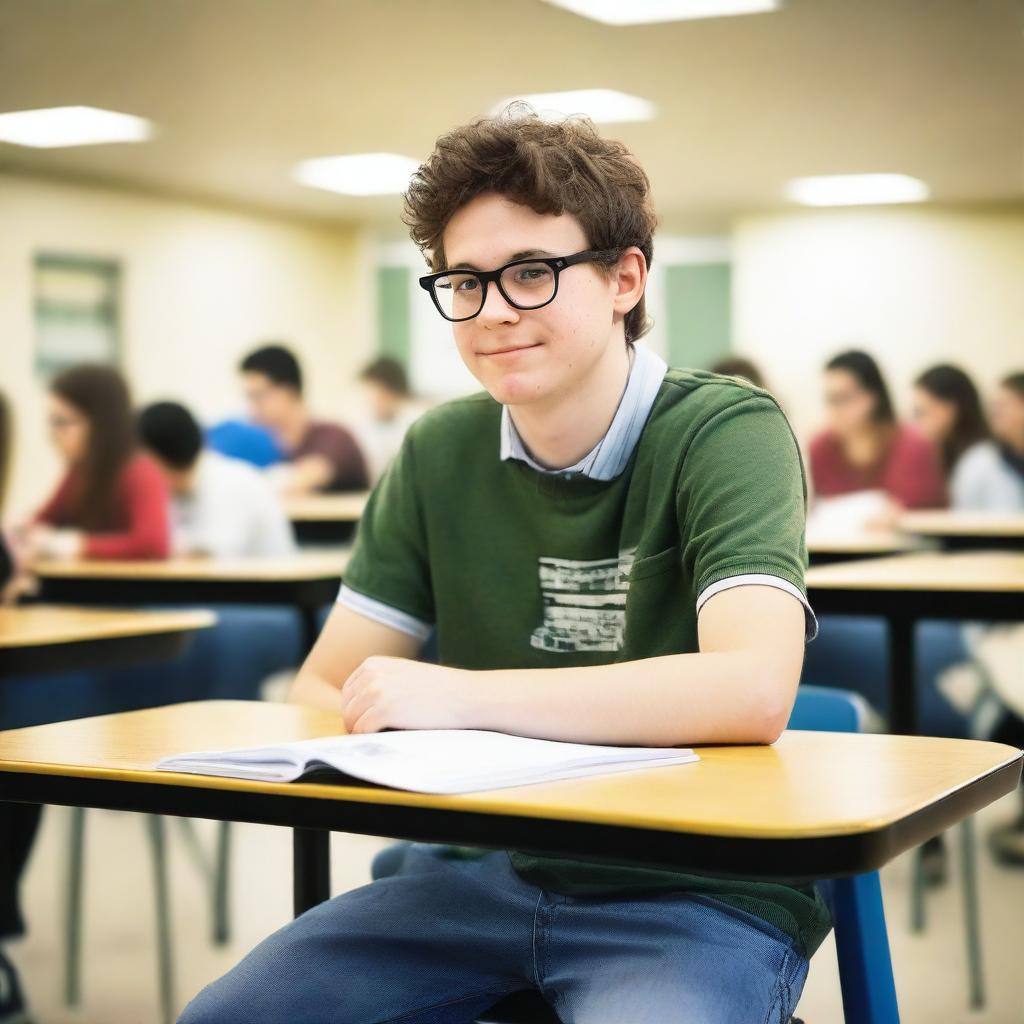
(243, 89)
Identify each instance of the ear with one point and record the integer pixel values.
(630, 278)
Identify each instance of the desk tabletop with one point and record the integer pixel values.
(969, 572)
(878, 542)
(305, 565)
(963, 524)
(324, 508)
(808, 785)
(38, 625)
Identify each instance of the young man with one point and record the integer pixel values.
(611, 552)
(219, 506)
(321, 456)
(391, 413)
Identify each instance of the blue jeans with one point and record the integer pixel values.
(442, 940)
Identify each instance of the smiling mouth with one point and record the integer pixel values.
(509, 350)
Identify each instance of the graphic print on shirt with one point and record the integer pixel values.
(584, 603)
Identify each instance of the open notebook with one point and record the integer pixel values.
(427, 760)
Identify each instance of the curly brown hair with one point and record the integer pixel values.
(551, 167)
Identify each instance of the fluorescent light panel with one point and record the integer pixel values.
(605, 106)
(856, 190)
(647, 12)
(360, 174)
(55, 127)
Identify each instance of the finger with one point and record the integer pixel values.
(368, 721)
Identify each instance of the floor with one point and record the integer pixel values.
(119, 964)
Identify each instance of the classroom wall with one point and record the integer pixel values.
(914, 286)
(201, 286)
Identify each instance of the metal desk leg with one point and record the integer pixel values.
(312, 868)
(310, 628)
(902, 677)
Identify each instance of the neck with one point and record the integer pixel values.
(559, 431)
(292, 429)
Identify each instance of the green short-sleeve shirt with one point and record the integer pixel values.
(522, 569)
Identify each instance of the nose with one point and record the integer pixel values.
(496, 310)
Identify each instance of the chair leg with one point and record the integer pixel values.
(222, 885)
(972, 915)
(917, 887)
(73, 909)
(216, 875)
(165, 967)
(862, 944)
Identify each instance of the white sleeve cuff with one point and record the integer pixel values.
(383, 613)
(763, 580)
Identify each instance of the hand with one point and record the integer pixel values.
(42, 541)
(396, 693)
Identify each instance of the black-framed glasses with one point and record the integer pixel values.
(526, 284)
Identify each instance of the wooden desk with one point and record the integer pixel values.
(46, 638)
(842, 547)
(308, 580)
(907, 588)
(813, 805)
(326, 518)
(960, 530)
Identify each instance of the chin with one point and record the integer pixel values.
(516, 388)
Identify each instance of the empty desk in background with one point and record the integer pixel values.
(325, 518)
(836, 546)
(307, 581)
(904, 589)
(38, 639)
(967, 530)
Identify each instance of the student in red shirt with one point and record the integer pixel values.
(864, 447)
(112, 501)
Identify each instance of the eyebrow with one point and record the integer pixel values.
(524, 255)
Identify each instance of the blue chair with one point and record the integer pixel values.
(862, 942)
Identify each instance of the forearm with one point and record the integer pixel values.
(677, 700)
(312, 689)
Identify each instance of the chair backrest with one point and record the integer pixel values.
(823, 709)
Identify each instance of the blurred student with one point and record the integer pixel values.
(219, 506)
(1008, 430)
(321, 456)
(865, 449)
(739, 366)
(948, 411)
(112, 501)
(392, 413)
(18, 822)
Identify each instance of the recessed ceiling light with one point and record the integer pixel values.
(54, 127)
(856, 190)
(646, 12)
(605, 106)
(361, 174)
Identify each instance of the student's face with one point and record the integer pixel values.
(849, 407)
(1007, 418)
(527, 356)
(932, 416)
(69, 429)
(269, 403)
(384, 404)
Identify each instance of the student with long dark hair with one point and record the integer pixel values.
(864, 447)
(1008, 430)
(112, 501)
(948, 411)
